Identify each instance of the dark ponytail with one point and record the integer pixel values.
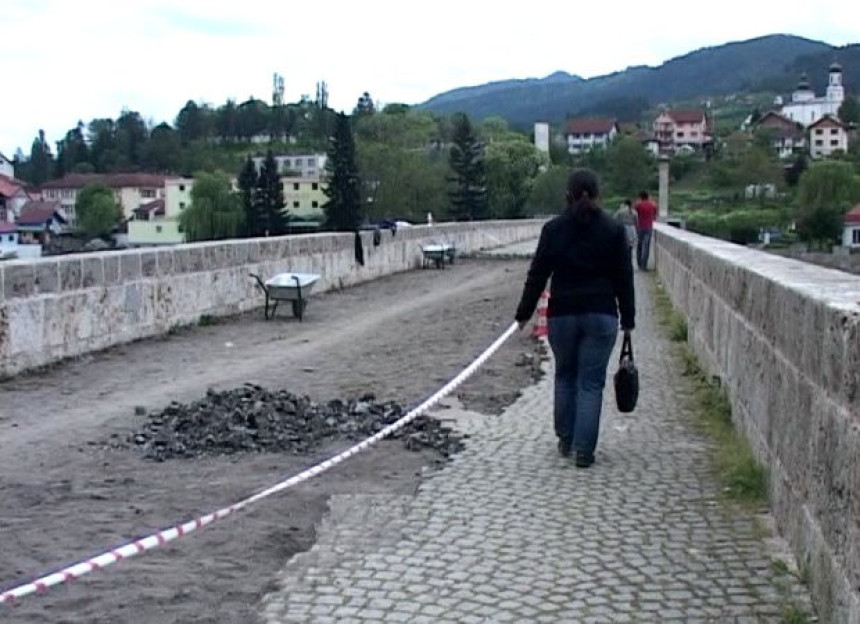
(582, 192)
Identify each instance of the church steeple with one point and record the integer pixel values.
(835, 90)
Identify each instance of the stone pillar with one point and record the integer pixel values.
(663, 175)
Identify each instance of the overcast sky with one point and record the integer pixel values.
(65, 60)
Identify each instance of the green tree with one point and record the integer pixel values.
(131, 139)
(343, 208)
(548, 192)
(629, 167)
(72, 151)
(466, 159)
(215, 212)
(97, 210)
(247, 183)
(827, 189)
(849, 111)
(40, 160)
(364, 106)
(163, 151)
(511, 167)
(270, 217)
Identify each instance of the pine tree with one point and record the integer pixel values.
(343, 208)
(269, 211)
(247, 189)
(469, 195)
(40, 160)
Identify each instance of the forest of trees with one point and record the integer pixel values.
(400, 162)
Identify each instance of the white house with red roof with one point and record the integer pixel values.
(826, 136)
(586, 133)
(7, 167)
(683, 129)
(851, 233)
(13, 196)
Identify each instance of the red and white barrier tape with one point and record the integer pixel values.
(161, 538)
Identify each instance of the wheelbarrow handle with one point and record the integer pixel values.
(260, 282)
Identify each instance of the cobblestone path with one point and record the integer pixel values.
(511, 532)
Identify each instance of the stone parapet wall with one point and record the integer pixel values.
(59, 307)
(849, 263)
(784, 337)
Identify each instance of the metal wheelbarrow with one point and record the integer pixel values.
(292, 287)
(437, 253)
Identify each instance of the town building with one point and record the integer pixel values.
(806, 108)
(40, 221)
(13, 196)
(157, 221)
(297, 165)
(787, 137)
(851, 231)
(304, 199)
(130, 189)
(826, 136)
(683, 130)
(586, 133)
(7, 167)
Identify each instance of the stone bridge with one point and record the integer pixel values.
(508, 532)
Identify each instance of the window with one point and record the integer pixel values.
(834, 130)
(181, 188)
(295, 204)
(315, 204)
(295, 186)
(819, 131)
(314, 186)
(158, 229)
(819, 143)
(694, 134)
(182, 205)
(855, 236)
(679, 135)
(147, 193)
(834, 142)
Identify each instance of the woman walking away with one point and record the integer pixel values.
(586, 253)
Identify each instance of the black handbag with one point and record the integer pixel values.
(626, 378)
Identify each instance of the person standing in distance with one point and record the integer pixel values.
(585, 252)
(646, 214)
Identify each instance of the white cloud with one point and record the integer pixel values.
(67, 61)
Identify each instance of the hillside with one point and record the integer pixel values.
(773, 61)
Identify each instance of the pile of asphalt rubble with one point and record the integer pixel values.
(251, 419)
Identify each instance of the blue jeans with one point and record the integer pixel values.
(581, 344)
(643, 248)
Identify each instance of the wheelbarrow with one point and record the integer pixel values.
(292, 287)
(437, 253)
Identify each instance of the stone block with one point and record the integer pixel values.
(46, 276)
(113, 275)
(93, 271)
(18, 280)
(129, 267)
(71, 274)
(148, 263)
(165, 261)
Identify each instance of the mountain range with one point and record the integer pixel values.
(772, 63)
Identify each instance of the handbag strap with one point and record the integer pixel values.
(627, 348)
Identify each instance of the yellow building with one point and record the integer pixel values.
(157, 222)
(304, 198)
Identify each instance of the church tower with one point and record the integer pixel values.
(835, 90)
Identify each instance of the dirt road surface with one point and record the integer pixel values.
(66, 497)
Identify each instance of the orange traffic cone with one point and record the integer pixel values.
(540, 328)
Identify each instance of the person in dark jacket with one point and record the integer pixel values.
(587, 255)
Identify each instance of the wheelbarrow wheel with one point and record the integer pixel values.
(299, 306)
